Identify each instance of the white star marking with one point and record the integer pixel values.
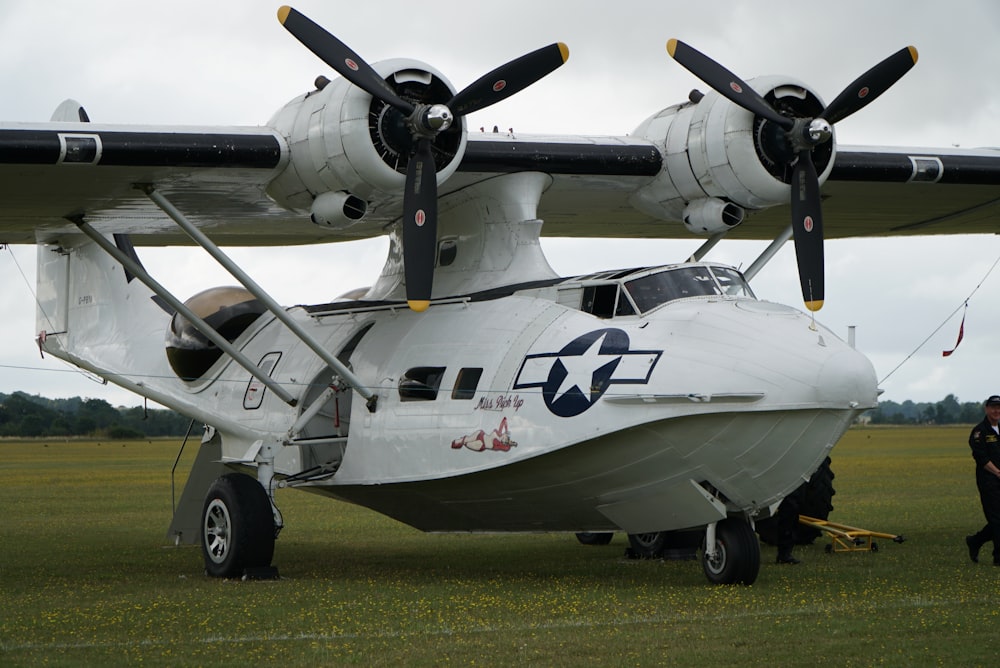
(580, 369)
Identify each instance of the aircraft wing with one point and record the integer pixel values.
(219, 178)
(871, 191)
(53, 171)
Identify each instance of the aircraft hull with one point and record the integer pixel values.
(636, 480)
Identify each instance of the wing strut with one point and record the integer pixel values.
(275, 309)
(140, 273)
(768, 253)
(709, 244)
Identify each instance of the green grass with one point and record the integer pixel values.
(87, 578)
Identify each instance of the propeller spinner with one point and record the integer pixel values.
(802, 136)
(424, 122)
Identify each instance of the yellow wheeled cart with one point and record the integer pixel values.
(845, 538)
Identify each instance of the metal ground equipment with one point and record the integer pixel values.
(844, 538)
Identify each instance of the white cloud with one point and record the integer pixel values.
(231, 63)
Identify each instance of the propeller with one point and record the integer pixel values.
(802, 135)
(424, 122)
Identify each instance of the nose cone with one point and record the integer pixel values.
(847, 380)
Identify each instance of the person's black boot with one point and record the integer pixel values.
(973, 548)
(786, 558)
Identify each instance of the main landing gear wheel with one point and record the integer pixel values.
(648, 545)
(737, 554)
(237, 527)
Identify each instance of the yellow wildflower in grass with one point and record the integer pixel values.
(83, 565)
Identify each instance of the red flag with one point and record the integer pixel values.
(961, 333)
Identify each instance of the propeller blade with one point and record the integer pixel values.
(340, 57)
(420, 226)
(807, 230)
(870, 85)
(425, 122)
(724, 82)
(508, 79)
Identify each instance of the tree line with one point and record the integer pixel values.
(947, 411)
(27, 416)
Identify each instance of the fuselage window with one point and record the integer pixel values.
(466, 383)
(421, 383)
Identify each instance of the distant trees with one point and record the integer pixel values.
(24, 415)
(947, 411)
(28, 416)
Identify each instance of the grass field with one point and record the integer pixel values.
(87, 578)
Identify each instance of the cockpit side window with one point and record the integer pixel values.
(600, 300)
(624, 305)
(606, 301)
(650, 291)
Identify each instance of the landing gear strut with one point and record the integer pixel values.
(237, 528)
(731, 552)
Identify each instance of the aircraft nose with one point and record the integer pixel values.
(847, 380)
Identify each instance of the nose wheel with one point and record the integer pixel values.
(731, 553)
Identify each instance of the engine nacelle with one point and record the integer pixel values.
(716, 150)
(341, 140)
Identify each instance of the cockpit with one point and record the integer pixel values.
(639, 291)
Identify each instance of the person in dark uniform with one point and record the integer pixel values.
(985, 443)
(788, 521)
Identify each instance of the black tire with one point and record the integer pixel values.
(737, 554)
(814, 498)
(676, 545)
(648, 545)
(595, 538)
(237, 527)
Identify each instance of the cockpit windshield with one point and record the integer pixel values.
(651, 290)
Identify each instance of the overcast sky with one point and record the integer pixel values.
(231, 63)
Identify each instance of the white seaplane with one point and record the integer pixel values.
(471, 389)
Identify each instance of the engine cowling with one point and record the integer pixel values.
(715, 150)
(342, 140)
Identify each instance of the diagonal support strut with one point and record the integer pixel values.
(272, 306)
(140, 273)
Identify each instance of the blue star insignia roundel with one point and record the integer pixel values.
(575, 378)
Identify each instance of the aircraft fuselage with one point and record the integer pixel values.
(576, 406)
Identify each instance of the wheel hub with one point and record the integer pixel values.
(216, 530)
(716, 562)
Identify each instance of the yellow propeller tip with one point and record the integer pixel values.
(564, 51)
(671, 46)
(913, 53)
(283, 12)
(814, 305)
(418, 305)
